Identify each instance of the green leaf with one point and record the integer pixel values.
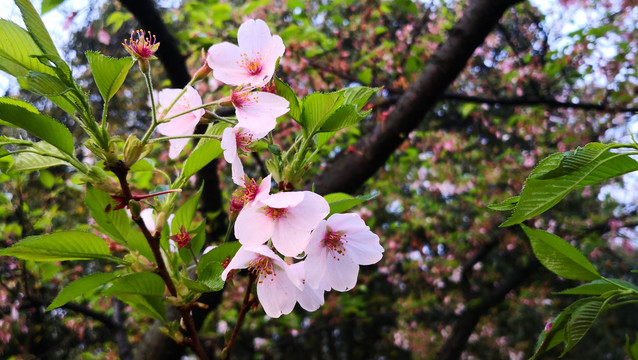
(556, 335)
(114, 223)
(145, 164)
(142, 283)
(559, 174)
(631, 349)
(210, 274)
(559, 257)
(43, 84)
(109, 73)
(42, 126)
(200, 157)
(220, 253)
(581, 320)
(36, 27)
(29, 161)
(16, 50)
(506, 205)
(60, 246)
(48, 5)
(344, 116)
(340, 202)
(80, 287)
(285, 91)
(596, 287)
(365, 76)
(317, 107)
(358, 95)
(46, 179)
(185, 214)
(152, 306)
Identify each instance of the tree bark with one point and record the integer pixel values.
(350, 170)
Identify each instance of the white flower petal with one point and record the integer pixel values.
(341, 274)
(253, 227)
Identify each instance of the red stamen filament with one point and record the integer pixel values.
(262, 267)
(335, 241)
(275, 213)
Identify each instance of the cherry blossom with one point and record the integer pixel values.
(253, 61)
(287, 218)
(234, 139)
(182, 125)
(336, 249)
(253, 191)
(258, 110)
(277, 282)
(142, 48)
(310, 299)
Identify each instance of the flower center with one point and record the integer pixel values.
(252, 65)
(244, 139)
(250, 192)
(142, 48)
(263, 268)
(335, 242)
(275, 213)
(242, 98)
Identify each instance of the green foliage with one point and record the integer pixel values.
(287, 93)
(560, 174)
(66, 245)
(109, 73)
(36, 27)
(21, 115)
(114, 223)
(560, 257)
(80, 287)
(341, 202)
(203, 154)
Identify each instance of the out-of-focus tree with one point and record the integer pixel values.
(475, 93)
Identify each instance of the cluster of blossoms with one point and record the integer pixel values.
(294, 253)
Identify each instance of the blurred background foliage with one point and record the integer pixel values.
(548, 78)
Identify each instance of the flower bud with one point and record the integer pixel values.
(139, 263)
(135, 208)
(202, 72)
(100, 180)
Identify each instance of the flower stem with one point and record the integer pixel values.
(153, 240)
(245, 306)
(149, 85)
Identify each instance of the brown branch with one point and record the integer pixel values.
(350, 170)
(467, 321)
(245, 306)
(120, 170)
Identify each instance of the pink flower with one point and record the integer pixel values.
(310, 299)
(252, 62)
(234, 139)
(182, 125)
(258, 110)
(287, 218)
(336, 249)
(277, 282)
(142, 48)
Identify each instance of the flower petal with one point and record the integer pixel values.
(253, 227)
(224, 60)
(240, 261)
(277, 294)
(253, 35)
(341, 273)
